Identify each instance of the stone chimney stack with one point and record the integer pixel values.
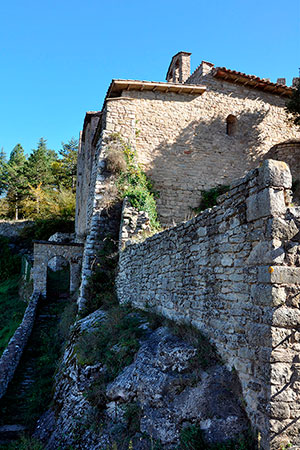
(180, 68)
(296, 81)
(281, 81)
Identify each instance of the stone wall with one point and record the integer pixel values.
(86, 164)
(14, 350)
(182, 143)
(103, 218)
(289, 152)
(233, 272)
(44, 251)
(12, 228)
(181, 139)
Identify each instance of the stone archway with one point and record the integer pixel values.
(44, 251)
(58, 277)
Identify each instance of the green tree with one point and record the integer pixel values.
(2, 170)
(39, 165)
(65, 168)
(14, 179)
(293, 106)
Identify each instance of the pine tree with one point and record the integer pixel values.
(15, 179)
(69, 152)
(2, 170)
(39, 165)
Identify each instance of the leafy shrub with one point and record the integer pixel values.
(10, 264)
(293, 106)
(132, 182)
(132, 415)
(191, 438)
(42, 229)
(209, 197)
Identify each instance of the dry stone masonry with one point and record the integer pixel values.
(14, 350)
(180, 132)
(233, 272)
(12, 228)
(44, 251)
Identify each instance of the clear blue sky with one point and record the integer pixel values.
(58, 57)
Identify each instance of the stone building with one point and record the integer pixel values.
(192, 132)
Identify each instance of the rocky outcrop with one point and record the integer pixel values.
(164, 389)
(67, 422)
(172, 394)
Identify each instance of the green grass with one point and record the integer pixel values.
(114, 342)
(11, 310)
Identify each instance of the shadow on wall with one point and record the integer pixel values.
(201, 157)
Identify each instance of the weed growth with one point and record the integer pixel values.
(209, 197)
(132, 181)
(114, 343)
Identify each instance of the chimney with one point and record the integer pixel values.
(281, 81)
(205, 67)
(180, 68)
(296, 81)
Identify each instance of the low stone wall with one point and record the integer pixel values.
(12, 354)
(12, 228)
(233, 273)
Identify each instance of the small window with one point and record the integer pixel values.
(231, 124)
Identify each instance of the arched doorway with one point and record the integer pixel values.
(44, 251)
(58, 277)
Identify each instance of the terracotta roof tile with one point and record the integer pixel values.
(252, 80)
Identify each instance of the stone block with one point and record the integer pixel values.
(286, 317)
(282, 229)
(267, 252)
(268, 295)
(279, 410)
(265, 203)
(202, 231)
(275, 173)
(279, 274)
